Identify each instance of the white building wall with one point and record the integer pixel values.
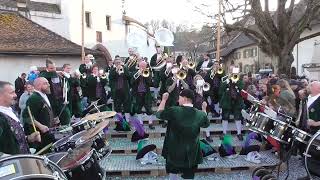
(68, 25)
(13, 66)
(303, 51)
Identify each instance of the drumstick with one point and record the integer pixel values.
(44, 149)
(32, 120)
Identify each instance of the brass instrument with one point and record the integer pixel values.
(181, 74)
(144, 73)
(83, 76)
(131, 62)
(102, 74)
(161, 63)
(214, 72)
(191, 65)
(120, 70)
(204, 86)
(235, 78)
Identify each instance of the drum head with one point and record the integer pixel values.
(61, 142)
(76, 157)
(56, 157)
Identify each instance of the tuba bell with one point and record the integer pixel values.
(164, 37)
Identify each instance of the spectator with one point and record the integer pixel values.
(19, 84)
(24, 97)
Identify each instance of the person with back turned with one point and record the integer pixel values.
(181, 147)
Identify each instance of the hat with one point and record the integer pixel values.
(121, 123)
(144, 149)
(187, 93)
(206, 148)
(136, 136)
(226, 148)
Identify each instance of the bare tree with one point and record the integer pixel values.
(277, 31)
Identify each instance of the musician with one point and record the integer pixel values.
(41, 111)
(13, 139)
(155, 59)
(313, 105)
(86, 66)
(190, 73)
(181, 147)
(75, 93)
(141, 92)
(96, 83)
(119, 78)
(164, 74)
(214, 79)
(56, 98)
(131, 61)
(231, 102)
(205, 63)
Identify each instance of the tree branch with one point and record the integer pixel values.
(308, 37)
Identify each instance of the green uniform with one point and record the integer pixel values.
(174, 95)
(181, 147)
(120, 93)
(74, 103)
(141, 94)
(231, 101)
(96, 90)
(314, 114)
(42, 112)
(56, 96)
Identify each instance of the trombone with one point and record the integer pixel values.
(131, 62)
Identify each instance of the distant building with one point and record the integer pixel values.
(24, 44)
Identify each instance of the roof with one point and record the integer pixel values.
(20, 35)
(33, 6)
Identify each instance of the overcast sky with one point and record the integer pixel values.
(177, 11)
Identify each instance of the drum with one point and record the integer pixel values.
(81, 164)
(97, 142)
(261, 123)
(301, 136)
(62, 145)
(281, 131)
(56, 157)
(29, 167)
(81, 126)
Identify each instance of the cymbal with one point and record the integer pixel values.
(100, 116)
(96, 130)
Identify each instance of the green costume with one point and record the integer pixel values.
(85, 71)
(74, 103)
(42, 112)
(314, 114)
(181, 147)
(231, 101)
(119, 84)
(173, 95)
(132, 68)
(141, 94)
(56, 97)
(96, 90)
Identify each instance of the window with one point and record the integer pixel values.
(108, 22)
(88, 19)
(255, 53)
(99, 36)
(237, 55)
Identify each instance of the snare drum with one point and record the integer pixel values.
(81, 126)
(261, 123)
(301, 136)
(81, 164)
(29, 167)
(282, 131)
(97, 142)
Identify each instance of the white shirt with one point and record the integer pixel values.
(188, 105)
(8, 111)
(311, 99)
(44, 96)
(205, 64)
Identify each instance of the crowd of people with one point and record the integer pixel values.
(186, 95)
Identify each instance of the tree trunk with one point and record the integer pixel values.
(284, 63)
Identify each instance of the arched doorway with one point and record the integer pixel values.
(105, 52)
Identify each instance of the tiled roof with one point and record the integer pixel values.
(33, 6)
(21, 35)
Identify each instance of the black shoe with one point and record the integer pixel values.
(151, 127)
(209, 139)
(240, 137)
(164, 125)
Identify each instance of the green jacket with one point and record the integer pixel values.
(113, 78)
(91, 87)
(226, 102)
(314, 114)
(181, 146)
(9, 143)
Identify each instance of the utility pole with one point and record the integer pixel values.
(218, 34)
(82, 31)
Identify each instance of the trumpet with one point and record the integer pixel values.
(181, 74)
(235, 78)
(201, 85)
(214, 72)
(120, 70)
(144, 73)
(102, 74)
(191, 65)
(206, 86)
(83, 76)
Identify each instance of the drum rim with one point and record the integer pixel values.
(79, 162)
(67, 138)
(34, 176)
(79, 123)
(81, 132)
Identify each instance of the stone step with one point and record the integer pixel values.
(214, 129)
(125, 146)
(127, 165)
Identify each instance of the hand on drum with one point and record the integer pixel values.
(34, 137)
(313, 123)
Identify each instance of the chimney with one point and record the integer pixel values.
(23, 7)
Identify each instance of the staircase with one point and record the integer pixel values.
(121, 164)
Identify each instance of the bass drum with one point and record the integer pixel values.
(29, 167)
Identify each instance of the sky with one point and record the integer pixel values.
(177, 11)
